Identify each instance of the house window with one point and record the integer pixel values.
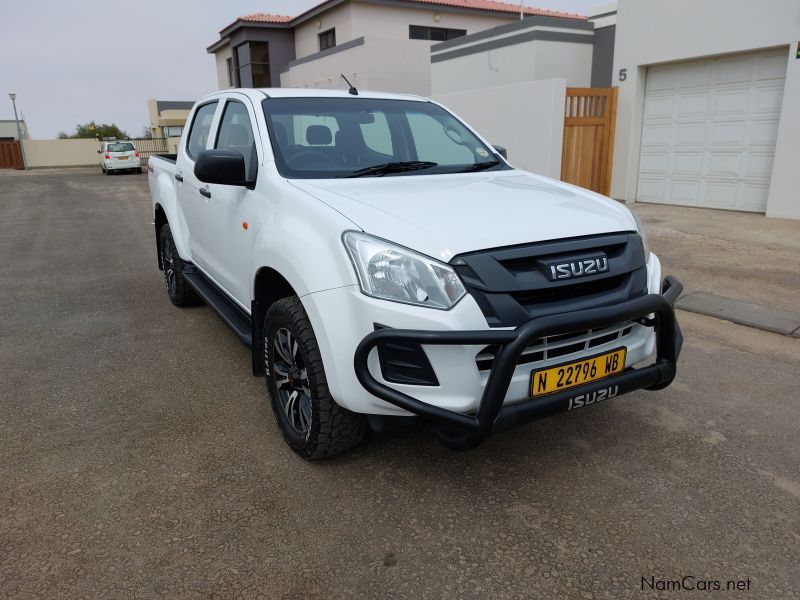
(233, 73)
(434, 34)
(173, 131)
(251, 62)
(327, 39)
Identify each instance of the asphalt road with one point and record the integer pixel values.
(139, 457)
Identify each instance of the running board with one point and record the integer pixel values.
(233, 316)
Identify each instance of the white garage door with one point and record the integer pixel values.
(709, 129)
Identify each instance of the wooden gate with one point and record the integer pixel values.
(10, 155)
(590, 116)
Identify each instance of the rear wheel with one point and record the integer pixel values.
(139, 170)
(311, 421)
(178, 290)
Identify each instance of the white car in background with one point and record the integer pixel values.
(119, 156)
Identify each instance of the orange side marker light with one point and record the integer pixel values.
(245, 225)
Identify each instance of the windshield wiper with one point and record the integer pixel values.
(481, 166)
(393, 167)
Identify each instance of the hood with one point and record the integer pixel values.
(444, 215)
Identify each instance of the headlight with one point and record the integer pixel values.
(401, 275)
(643, 235)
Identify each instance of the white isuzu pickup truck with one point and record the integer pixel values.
(385, 264)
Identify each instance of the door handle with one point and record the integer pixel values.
(179, 177)
(205, 192)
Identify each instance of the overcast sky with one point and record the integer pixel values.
(71, 61)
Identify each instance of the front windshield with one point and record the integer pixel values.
(317, 138)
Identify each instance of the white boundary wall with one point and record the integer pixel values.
(526, 118)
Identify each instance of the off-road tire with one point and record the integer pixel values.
(333, 429)
(179, 291)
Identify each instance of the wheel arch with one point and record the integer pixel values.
(159, 220)
(269, 286)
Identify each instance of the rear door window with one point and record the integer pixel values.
(117, 147)
(201, 127)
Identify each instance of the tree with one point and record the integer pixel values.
(147, 133)
(92, 130)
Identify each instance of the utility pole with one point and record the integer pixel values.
(13, 97)
(521, 9)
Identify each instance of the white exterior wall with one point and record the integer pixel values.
(370, 66)
(653, 31)
(526, 118)
(503, 65)
(784, 192)
(221, 56)
(564, 60)
(392, 22)
(340, 18)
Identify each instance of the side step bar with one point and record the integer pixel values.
(233, 316)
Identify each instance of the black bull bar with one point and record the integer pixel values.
(464, 431)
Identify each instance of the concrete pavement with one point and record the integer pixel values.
(139, 457)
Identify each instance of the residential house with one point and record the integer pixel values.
(377, 44)
(168, 117)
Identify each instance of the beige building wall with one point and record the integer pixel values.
(9, 129)
(61, 153)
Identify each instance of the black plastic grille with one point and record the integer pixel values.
(511, 285)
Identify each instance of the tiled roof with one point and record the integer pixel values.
(266, 18)
(495, 5)
(483, 5)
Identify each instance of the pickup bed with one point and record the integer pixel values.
(386, 265)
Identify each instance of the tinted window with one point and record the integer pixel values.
(118, 147)
(436, 34)
(201, 126)
(236, 133)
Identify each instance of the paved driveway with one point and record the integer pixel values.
(138, 456)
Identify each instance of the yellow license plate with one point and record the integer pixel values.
(121, 157)
(569, 375)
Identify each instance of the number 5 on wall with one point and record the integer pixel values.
(623, 74)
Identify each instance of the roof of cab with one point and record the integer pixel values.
(319, 93)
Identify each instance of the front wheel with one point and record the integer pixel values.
(311, 421)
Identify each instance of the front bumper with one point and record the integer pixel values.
(463, 431)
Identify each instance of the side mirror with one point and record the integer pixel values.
(225, 167)
(501, 151)
(99, 151)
